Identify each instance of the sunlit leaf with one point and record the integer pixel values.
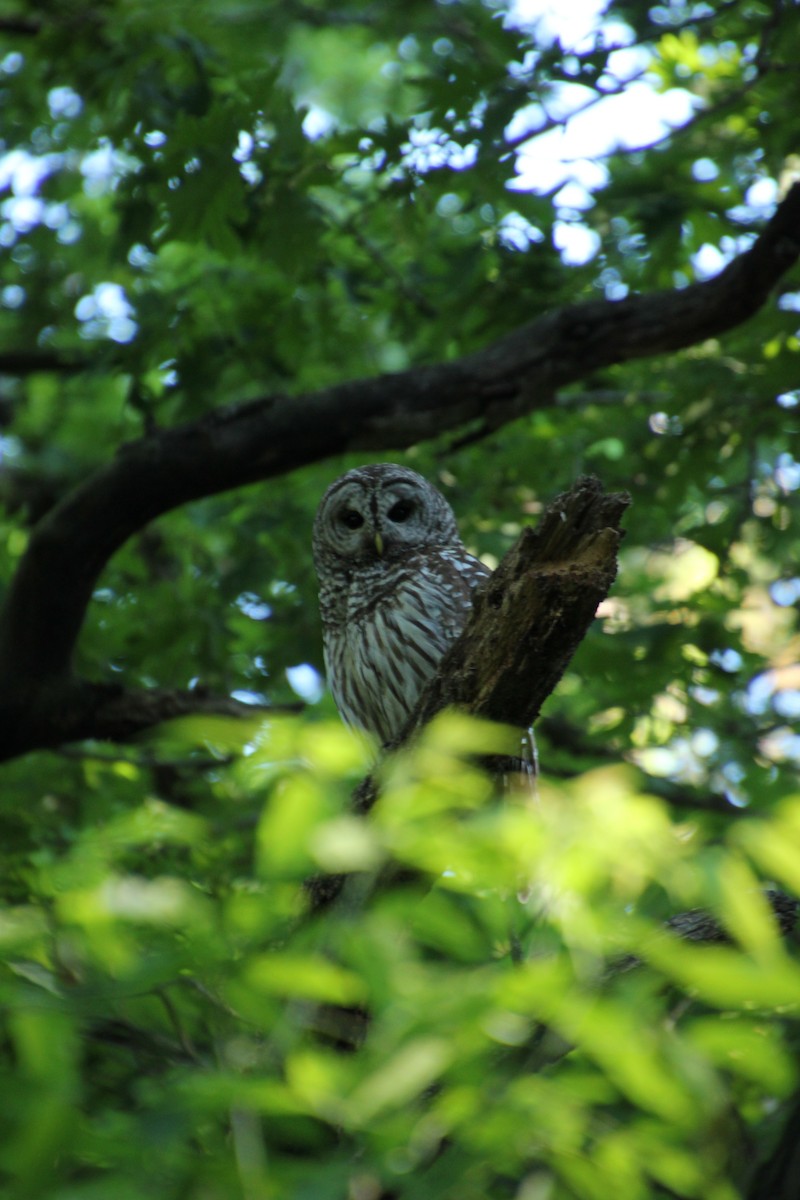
(747, 1048)
(775, 846)
(400, 1080)
(308, 978)
(726, 978)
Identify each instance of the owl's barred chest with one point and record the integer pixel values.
(437, 587)
(386, 630)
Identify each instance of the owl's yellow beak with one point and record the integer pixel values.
(379, 543)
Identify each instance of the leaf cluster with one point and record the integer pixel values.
(177, 1022)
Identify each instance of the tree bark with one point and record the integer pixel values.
(531, 615)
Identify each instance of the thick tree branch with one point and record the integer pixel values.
(532, 614)
(28, 362)
(26, 26)
(47, 599)
(65, 710)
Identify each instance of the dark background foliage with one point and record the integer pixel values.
(209, 204)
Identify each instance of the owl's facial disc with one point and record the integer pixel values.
(371, 523)
(381, 514)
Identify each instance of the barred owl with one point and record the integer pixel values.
(395, 590)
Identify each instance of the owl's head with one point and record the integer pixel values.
(380, 512)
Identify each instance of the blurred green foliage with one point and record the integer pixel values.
(176, 1023)
(204, 203)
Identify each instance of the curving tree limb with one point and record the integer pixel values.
(41, 704)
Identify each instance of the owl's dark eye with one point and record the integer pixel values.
(401, 511)
(352, 518)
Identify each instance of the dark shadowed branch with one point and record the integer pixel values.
(47, 600)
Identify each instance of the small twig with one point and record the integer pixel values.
(184, 1039)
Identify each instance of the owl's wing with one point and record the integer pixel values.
(453, 577)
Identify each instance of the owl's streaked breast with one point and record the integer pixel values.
(398, 620)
